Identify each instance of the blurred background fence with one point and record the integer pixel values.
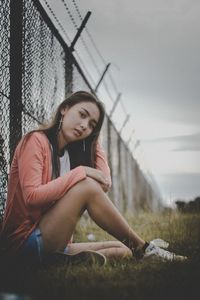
(37, 70)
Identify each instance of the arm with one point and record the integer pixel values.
(102, 164)
(32, 164)
(101, 172)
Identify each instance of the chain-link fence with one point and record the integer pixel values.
(37, 70)
(4, 98)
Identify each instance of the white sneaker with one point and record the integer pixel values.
(157, 253)
(160, 243)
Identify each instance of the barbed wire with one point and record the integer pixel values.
(85, 45)
(108, 92)
(95, 46)
(56, 19)
(113, 83)
(81, 38)
(93, 42)
(68, 38)
(123, 107)
(85, 68)
(91, 57)
(100, 55)
(89, 34)
(69, 14)
(87, 49)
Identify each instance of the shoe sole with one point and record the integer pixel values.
(157, 258)
(87, 257)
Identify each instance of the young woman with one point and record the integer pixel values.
(57, 173)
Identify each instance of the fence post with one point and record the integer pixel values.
(109, 150)
(16, 27)
(124, 123)
(68, 75)
(109, 141)
(102, 76)
(80, 29)
(114, 105)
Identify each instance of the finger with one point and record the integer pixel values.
(105, 187)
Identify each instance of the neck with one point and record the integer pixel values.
(61, 153)
(61, 143)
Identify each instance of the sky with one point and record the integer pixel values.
(153, 47)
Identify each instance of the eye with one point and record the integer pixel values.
(82, 114)
(92, 125)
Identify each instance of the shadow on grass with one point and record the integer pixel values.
(126, 280)
(117, 280)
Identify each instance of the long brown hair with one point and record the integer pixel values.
(82, 152)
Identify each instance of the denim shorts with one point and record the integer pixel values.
(33, 249)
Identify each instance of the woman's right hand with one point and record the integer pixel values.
(99, 176)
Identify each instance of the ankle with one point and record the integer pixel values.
(139, 251)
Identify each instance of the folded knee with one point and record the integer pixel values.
(86, 189)
(91, 185)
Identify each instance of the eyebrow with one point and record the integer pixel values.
(87, 112)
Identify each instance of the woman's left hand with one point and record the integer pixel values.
(98, 176)
(105, 187)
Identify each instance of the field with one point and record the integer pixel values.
(123, 279)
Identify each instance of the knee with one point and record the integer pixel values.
(87, 187)
(91, 186)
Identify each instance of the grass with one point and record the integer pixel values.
(124, 279)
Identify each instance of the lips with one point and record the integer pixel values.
(78, 132)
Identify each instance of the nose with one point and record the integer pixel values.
(84, 124)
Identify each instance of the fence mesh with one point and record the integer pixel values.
(49, 72)
(44, 68)
(4, 98)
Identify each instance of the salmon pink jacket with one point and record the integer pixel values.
(31, 190)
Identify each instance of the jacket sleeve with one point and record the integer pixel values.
(31, 164)
(101, 162)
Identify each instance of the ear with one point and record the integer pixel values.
(63, 111)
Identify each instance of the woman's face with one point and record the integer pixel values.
(78, 123)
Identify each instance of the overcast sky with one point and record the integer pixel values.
(153, 47)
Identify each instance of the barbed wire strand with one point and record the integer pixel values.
(56, 19)
(89, 34)
(85, 45)
(81, 38)
(123, 107)
(95, 46)
(98, 52)
(68, 38)
(85, 68)
(108, 92)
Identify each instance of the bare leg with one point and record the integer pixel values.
(111, 249)
(57, 224)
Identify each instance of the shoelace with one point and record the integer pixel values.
(165, 254)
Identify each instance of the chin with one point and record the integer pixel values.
(74, 139)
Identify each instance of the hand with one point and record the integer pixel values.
(105, 187)
(99, 176)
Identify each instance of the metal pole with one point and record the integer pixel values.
(123, 125)
(114, 105)
(130, 138)
(80, 30)
(102, 76)
(137, 143)
(16, 28)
